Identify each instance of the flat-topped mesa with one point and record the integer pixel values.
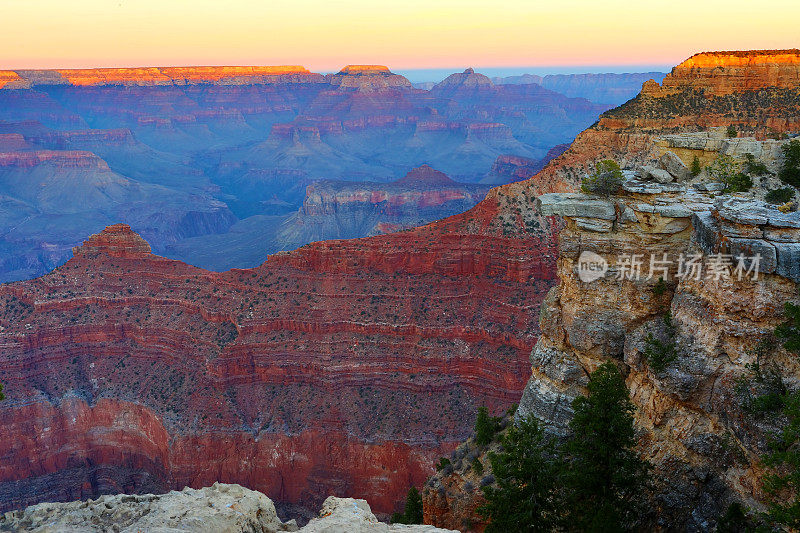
(366, 70)
(367, 78)
(156, 76)
(723, 73)
(61, 158)
(11, 80)
(117, 240)
(241, 75)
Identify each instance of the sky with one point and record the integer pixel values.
(410, 36)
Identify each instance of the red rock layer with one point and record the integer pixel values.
(757, 91)
(118, 240)
(11, 79)
(152, 76)
(342, 368)
(67, 159)
(722, 73)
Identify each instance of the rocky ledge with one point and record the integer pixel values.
(624, 276)
(220, 508)
(667, 257)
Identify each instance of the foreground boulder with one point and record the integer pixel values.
(220, 508)
(348, 515)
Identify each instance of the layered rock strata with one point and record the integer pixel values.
(345, 367)
(693, 428)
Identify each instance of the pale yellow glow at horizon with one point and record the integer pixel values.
(412, 34)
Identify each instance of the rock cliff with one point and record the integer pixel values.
(347, 367)
(155, 76)
(766, 105)
(344, 367)
(724, 73)
(692, 426)
(623, 266)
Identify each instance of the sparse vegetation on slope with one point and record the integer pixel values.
(606, 180)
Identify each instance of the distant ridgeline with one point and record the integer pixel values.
(213, 164)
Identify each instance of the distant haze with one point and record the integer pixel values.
(438, 74)
(408, 34)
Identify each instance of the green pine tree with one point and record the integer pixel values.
(782, 484)
(413, 511)
(790, 170)
(526, 477)
(485, 427)
(695, 169)
(2, 396)
(789, 331)
(605, 479)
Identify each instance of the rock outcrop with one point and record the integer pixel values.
(691, 422)
(220, 508)
(368, 78)
(766, 105)
(724, 73)
(693, 428)
(342, 210)
(347, 515)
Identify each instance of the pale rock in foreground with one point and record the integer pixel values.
(348, 515)
(220, 508)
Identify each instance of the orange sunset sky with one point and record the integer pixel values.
(413, 34)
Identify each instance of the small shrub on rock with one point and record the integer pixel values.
(477, 466)
(695, 169)
(606, 180)
(789, 330)
(731, 132)
(739, 182)
(763, 391)
(780, 196)
(660, 353)
(754, 167)
(727, 170)
(443, 462)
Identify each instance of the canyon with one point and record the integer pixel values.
(607, 88)
(691, 417)
(210, 162)
(347, 367)
(344, 367)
